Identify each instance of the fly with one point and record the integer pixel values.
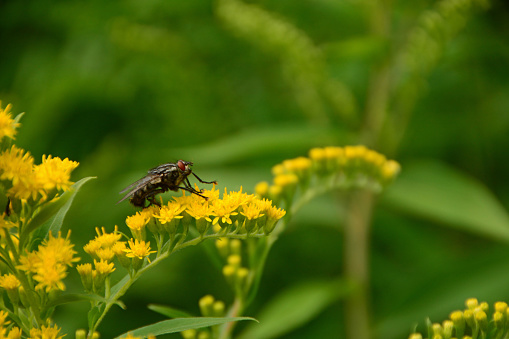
(160, 179)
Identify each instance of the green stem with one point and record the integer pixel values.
(236, 310)
(356, 232)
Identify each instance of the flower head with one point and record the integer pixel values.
(49, 263)
(15, 163)
(138, 221)
(107, 239)
(7, 124)
(138, 249)
(169, 212)
(103, 267)
(54, 173)
(9, 282)
(46, 332)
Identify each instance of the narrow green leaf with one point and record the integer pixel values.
(94, 314)
(296, 306)
(170, 312)
(435, 191)
(179, 325)
(52, 215)
(75, 297)
(116, 288)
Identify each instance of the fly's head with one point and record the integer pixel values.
(184, 167)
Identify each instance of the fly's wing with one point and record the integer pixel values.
(163, 169)
(136, 186)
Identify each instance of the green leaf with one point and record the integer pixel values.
(179, 325)
(296, 306)
(52, 214)
(94, 314)
(435, 191)
(75, 297)
(170, 312)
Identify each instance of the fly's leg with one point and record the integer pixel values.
(205, 182)
(192, 190)
(150, 196)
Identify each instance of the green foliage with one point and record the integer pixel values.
(238, 86)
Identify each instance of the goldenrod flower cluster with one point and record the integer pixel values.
(8, 331)
(32, 271)
(343, 167)
(472, 323)
(234, 213)
(103, 249)
(48, 265)
(20, 177)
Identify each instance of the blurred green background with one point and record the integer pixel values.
(236, 87)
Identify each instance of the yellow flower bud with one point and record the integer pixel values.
(262, 189)
(218, 309)
(472, 303)
(206, 305)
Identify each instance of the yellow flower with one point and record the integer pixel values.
(278, 169)
(84, 269)
(92, 247)
(333, 152)
(105, 254)
(284, 180)
(106, 240)
(223, 211)
(104, 267)
(50, 275)
(45, 333)
(317, 153)
(29, 262)
(169, 212)
(251, 211)
(3, 318)
(262, 189)
(199, 210)
(138, 249)
(390, 169)
(119, 247)
(211, 195)
(15, 164)
(14, 333)
(298, 164)
(237, 198)
(60, 248)
(274, 213)
(54, 173)
(87, 275)
(100, 247)
(9, 282)
(49, 263)
(138, 221)
(7, 124)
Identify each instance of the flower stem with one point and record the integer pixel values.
(356, 232)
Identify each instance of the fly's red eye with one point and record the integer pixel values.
(181, 165)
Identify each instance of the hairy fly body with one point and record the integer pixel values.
(159, 180)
